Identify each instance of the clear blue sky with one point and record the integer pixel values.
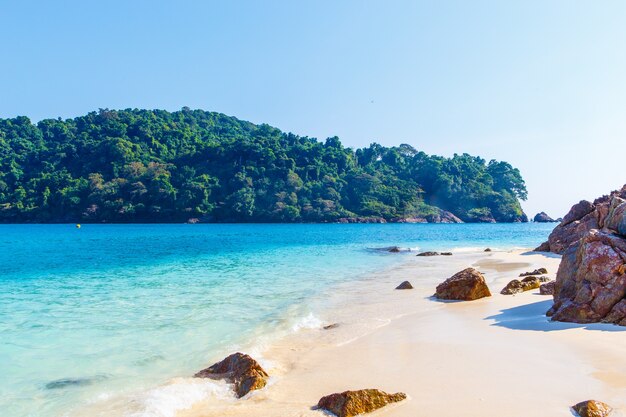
(541, 84)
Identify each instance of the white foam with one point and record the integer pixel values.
(308, 322)
(179, 394)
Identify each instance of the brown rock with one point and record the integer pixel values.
(428, 254)
(591, 280)
(446, 253)
(239, 369)
(544, 279)
(592, 408)
(513, 287)
(406, 285)
(516, 286)
(539, 271)
(467, 285)
(606, 212)
(488, 250)
(331, 326)
(547, 288)
(544, 247)
(352, 403)
(543, 218)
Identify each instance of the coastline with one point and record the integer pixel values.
(495, 356)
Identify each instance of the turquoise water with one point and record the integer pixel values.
(90, 313)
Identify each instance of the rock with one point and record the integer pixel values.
(539, 271)
(591, 280)
(544, 279)
(605, 213)
(543, 247)
(516, 286)
(467, 285)
(543, 218)
(331, 326)
(547, 288)
(352, 403)
(239, 369)
(406, 285)
(592, 408)
(428, 254)
(488, 250)
(394, 249)
(513, 287)
(446, 253)
(193, 220)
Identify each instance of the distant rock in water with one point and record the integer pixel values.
(239, 369)
(352, 403)
(428, 254)
(73, 382)
(592, 408)
(361, 220)
(585, 216)
(406, 285)
(465, 285)
(440, 216)
(394, 249)
(543, 218)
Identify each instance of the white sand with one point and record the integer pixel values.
(498, 356)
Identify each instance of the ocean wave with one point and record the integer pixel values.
(179, 394)
(308, 322)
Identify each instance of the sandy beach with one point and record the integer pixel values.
(497, 356)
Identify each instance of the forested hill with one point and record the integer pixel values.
(157, 166)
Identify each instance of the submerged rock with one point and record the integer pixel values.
(241, 370)
(592, 408)
(406, 285)
(428, 253)
(73, 382)
(466, 285)
(352, 403)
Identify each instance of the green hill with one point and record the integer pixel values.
(159, 166)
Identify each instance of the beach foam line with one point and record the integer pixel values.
(180, 394)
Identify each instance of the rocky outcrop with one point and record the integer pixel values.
(539, 271)
(585, 216)
(591, 280)
(406, 285)
(592, 408)
(352, 403)
(516, 286)
(543, 218)
(465, 285)
(239, 369)
(440, 216)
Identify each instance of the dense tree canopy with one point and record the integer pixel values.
(157, 166)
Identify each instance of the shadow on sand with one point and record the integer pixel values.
(546, 254)
(533, 317)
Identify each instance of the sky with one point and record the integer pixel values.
(540, 84)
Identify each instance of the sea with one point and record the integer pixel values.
(107, 314)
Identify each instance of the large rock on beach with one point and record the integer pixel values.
(466, 285)
(592, 408)
(605, 213)
(239, 369)
(352, 403)
(591, 280)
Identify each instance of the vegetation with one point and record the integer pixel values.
(157, 166)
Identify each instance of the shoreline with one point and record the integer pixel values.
(495, 356)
